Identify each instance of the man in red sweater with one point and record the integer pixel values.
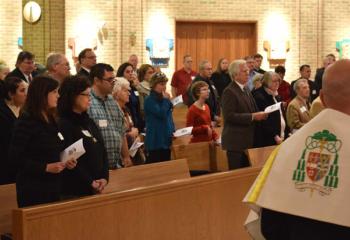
(183, 78)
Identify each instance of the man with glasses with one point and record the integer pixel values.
(183, 78)
(87, 59)
(108, 116)
(25, 67)
(57, 66)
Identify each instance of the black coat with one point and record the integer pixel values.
(277, 226)
(35, 144)
(270, 127)
(17, 73)
(93, 164)
(221, 81)
(83, 73)
(7, 121)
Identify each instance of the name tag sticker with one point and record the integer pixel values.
(192, 77)
(102, 123)
(60, 136)
(136, 93)
(86, 133)
(313, 92)
(303, 109)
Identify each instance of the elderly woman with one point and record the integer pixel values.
(159, 120)
(144, 75)
(121, 95)
(298, 109)
(91, 173)
(15, 93)
(272, 130)
(198, 115)
(125, 70)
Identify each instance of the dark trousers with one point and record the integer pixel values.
(237, 159)
(159, 155)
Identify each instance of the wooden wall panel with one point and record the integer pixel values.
(214, 40)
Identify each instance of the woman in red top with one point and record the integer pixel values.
(198, 115)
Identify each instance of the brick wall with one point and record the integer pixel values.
(10, 30)
(311, 26)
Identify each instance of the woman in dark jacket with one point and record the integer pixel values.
(14, 96)
(271, 131)
(125, 70)
(91, 173)
(36, 146)
(220, 77)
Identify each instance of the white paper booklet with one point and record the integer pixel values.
(177, 100)
(183, 131)
(76, 150)
(273, 108)
(134, 147)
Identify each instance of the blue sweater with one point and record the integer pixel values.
(159, 122)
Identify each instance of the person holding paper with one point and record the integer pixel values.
(240, 116)
(298, 109)
(303, 191)
(198, 115)
(271, 130)
(36, 146)
(159, 120)
(91, 173)
(121, 95)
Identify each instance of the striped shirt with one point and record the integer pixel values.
(110, 120)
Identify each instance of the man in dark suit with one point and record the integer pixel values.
(240, 112)
(25, 67)
(87, 59)
(305, 73)
(329, 59)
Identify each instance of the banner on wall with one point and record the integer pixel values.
(343, 47)
(159, 51)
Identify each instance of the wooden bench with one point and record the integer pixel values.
(120, 180)
(258, 156)
(205, 207)
(8, 202)
(146, 175)
(197, 155)
(179, 116)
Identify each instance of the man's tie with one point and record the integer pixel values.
(30, 78)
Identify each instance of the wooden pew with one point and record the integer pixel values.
(197, 155)
(147, 175)
(179, 116)
(120, 180)
(219, 158)
(258, 156)
(8, 202)
(206, 207)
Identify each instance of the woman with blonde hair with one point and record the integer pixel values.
(272, 130)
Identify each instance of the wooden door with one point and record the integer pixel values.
(214, 40)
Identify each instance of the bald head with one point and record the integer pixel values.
(336, 86)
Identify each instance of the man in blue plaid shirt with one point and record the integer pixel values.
(108, 116)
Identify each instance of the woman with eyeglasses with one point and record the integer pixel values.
(198, 115)
(271, 131)
(90, 176)
(37, 144)
(14, 96)
(159, 120)
(125, 70)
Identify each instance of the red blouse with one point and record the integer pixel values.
(201, 121)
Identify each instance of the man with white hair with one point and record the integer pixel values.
(240, 114)
(303, 189)
(57, 66)
(134, 61)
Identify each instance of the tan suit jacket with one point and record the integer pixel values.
(297, 113)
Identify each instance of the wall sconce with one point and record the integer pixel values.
(276, 52)
(132, 39)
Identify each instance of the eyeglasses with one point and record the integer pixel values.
(110, 80)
